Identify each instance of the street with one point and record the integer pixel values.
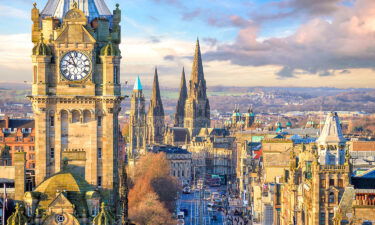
(192, 202)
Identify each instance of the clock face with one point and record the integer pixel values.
(75, 66)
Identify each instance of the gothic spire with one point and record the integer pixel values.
(197, 70)
(180, 108)
(156, 105)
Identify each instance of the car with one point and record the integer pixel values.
(180, 218)
(211, 207)
(186, 190)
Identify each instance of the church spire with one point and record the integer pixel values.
(180, 108)
(197, 74)
(155, 116)
(156, 104)
(197, 106)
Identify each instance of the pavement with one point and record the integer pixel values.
(191, 202)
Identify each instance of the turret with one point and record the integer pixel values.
(41, 60)
(331, 142)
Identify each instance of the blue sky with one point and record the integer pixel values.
(244, 42)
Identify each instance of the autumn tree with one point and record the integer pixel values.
(154, 191)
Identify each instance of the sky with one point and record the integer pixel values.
(310, 43)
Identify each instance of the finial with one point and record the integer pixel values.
(102, 206)
(34, 4)
(75, 5)
(117, 6)
(41, 37)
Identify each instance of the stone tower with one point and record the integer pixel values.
(155, 115)
(137, 121)
(249, 117)
(331, 142)
(180, 108)
(76, 91)
(197, 106)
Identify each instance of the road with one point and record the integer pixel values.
(191, 203)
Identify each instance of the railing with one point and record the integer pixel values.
(332, 167)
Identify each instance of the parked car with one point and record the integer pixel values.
(186, 190)
(180, 218)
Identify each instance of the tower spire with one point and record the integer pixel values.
(156, 99)
(197, 70)
(155, 116)
(180, 108)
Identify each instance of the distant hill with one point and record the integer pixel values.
(263, 99)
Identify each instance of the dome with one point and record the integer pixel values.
(91, 8)
(278, 124)
(288, 124)
(110, 50)
(41, 48)
(75, 187)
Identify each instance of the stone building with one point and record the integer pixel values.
(155, 115)
(316, 178)
(197, 106)
(76, 92)
(137, 122)
(241, 121)
(212, 153)
(180, 162)
(18, 135)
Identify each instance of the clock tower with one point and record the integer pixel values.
(76, 91)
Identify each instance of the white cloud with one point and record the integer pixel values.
(11, 12)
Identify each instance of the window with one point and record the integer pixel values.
(341, 183)
(99, 181)
(330, 218)
(322, 219)
(52, 121)
(1, 138)
(99, 121)
(331, 182)
(35, 74)
(31, 157)
(331, 198)
(183, 173)
(115, 75)
(99, 153)
(31, 148)
(52, 153)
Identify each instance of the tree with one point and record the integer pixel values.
(152, 198)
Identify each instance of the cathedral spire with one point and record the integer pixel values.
(155, 115)
(197, 106)
(197, 70)
(180, 108)
(155, 98)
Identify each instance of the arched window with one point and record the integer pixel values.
(86, 116)
(35, 74)
(331, 198)
(75, 116)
